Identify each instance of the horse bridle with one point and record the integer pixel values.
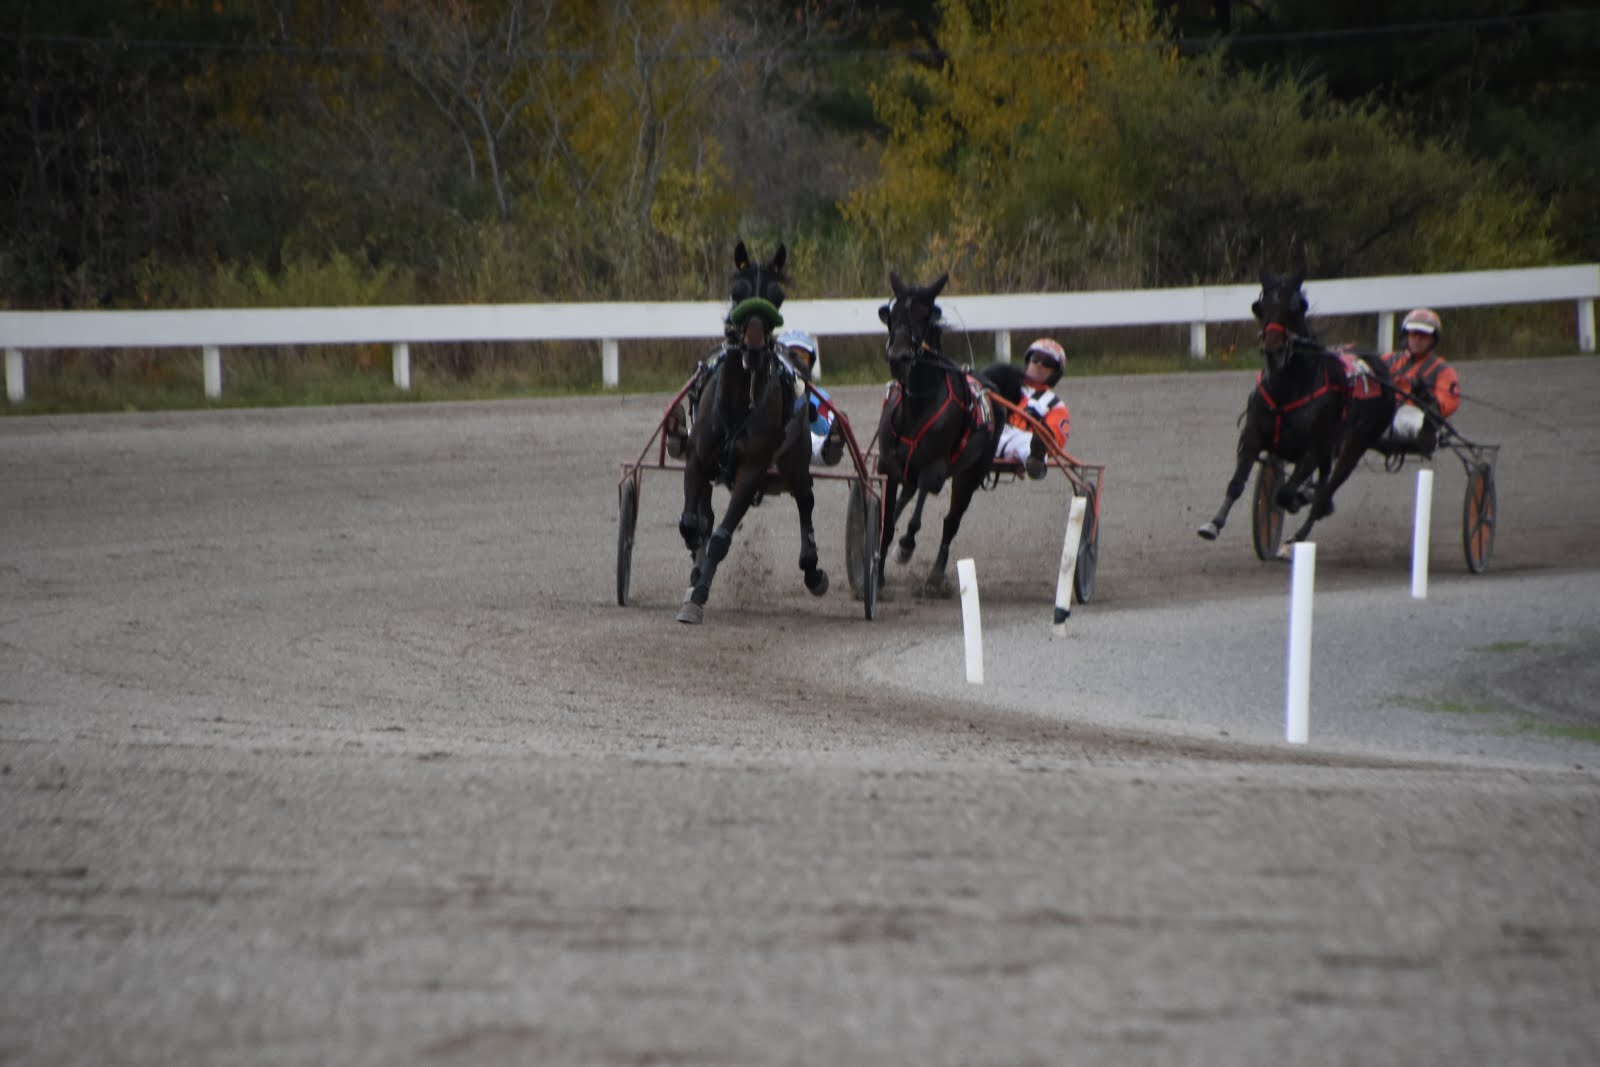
(921, 350)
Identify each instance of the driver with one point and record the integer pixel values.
(1422, 379)
(1046, 362)
(798, 349)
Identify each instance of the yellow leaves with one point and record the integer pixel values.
(691, 202)
(963, 138)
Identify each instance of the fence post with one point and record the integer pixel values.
(1586, 324)
(16, 385)
(1385, 331)
(1002, 345)
(402, 366)
(1197, 340)
(608, 363)
(212, 359)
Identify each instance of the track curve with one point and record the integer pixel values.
(323, 738)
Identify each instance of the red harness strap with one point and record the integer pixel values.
(921, 431)
(1280, 410)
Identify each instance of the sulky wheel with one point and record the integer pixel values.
(627, 518)
(863, 527)
(1266, 517)
(874, 531)
(855, 539)
(1478, 518)
(1088, 548)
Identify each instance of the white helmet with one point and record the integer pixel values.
(796, 341)
(1422, 320)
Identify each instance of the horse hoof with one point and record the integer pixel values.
(902, 555)
(817, 581)
(1286, 551)
(1209, 531)
(937, 587)
(692, 613)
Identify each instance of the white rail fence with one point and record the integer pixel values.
(210, 331)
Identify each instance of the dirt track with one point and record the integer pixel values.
(322, 740)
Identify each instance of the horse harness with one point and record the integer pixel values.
(731, 432)
(1329, 385)
(978, 408)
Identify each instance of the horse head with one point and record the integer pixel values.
(1281, 311)
(913, 319)
(757, 293)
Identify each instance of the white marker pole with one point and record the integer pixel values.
(971, 620)
(1419, 535)
(1297, 712)
(1069, 563)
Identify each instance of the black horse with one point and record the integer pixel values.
(937, 424)
(747, 420)
(1316, 409)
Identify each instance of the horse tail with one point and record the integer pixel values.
(1005, 379)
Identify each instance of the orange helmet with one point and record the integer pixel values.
(1051, 354)
(1422, 320)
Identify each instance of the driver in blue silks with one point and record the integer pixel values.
(798, 349)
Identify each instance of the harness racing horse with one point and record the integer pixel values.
(747, 421)
(1315, 409)
(937, 424)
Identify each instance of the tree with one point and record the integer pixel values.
(1512, 82)
(98, 134)
(967, 136)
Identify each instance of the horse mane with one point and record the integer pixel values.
(1004, 378)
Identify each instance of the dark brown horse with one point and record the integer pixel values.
(747, 420)
(936, 425)
(1315, 409)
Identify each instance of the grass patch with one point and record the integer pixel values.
(1504, 646)
(1587, 734)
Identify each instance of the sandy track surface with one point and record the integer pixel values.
(322, 740)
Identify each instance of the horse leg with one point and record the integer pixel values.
(796, 470)
(745, 485)
(1290, 494)
(892, 503)
(1322, 504)
(696, 528)
(694, 525)
(929, 481)
(962, 489)
(908, 543)
(1241, 474)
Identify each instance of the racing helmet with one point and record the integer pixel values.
(1422, 320)
(1052, 355)
(802, 349)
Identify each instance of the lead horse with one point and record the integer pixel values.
(1316, 409)
(937, 424)
(748, 420)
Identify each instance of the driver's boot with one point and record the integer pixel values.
(1035, 465)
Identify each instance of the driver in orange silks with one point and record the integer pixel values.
(1046, 362)
(1425, 383)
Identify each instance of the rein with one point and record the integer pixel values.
(918, 432)
(923, 352)
(733, 431)
(1280, 409)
